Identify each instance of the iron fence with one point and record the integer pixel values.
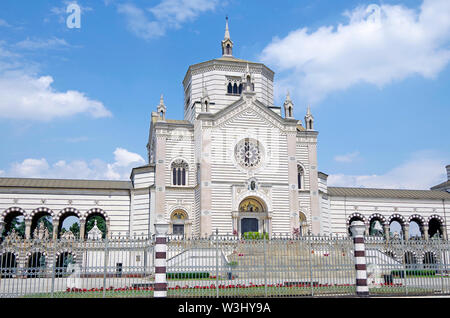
(283, 266)
(115, 267)
(407, 267)
(222, 266)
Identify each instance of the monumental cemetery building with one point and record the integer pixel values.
(236, 163)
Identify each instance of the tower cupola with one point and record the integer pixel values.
(227, 44)
(309, 120)
(288, 107)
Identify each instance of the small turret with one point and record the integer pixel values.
(205, 99)
(309, 120)
(227, 44)
(288, 107)
(161, 109)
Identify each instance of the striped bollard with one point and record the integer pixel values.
(160, 288)
(358, 229)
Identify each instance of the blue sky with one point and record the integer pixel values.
(76, 103)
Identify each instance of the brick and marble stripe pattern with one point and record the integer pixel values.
(360, 265)
(160, 287)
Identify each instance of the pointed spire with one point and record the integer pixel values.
(227, 31)
(161, 109)
(309, 119)
(227, 44)
(288, 106)
(288, 97)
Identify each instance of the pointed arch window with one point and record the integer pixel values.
(235, 89)
(230, 88)
(300, 177)
(179, 170)
(240, 89)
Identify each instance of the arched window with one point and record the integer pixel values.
(240, 89)
(303, 223)
(178, 220)
(235, 89)
(300, 177)
(230, 88)
(179, 169)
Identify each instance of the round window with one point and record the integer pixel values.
(248, 153)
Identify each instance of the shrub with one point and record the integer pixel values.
(413, 272)
(255, 236)
(187, 275)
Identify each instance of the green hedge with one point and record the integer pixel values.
(413, 272)
(255, 236)
(187, 275)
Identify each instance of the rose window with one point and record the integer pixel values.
(248, 153)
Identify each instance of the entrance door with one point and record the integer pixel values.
(249, 225)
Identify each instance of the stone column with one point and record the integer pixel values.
(82, 228)
(160, 288)
(235, 216)
(314, 185)
(294, 206)
(205, 179)
(55, 229)
(358, 229)
(160, 175)
(188, 229)
(386, 232)
(425, 232)
(406, 232)
(27, 229)
(443, 230)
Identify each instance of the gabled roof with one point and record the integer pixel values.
(64, 183)
(443, 185)
(240, 102)
(387, 193)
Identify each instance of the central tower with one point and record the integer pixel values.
(221, 81)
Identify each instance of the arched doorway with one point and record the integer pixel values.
(62, 262)
(376, 225)
(41, 223)
(8, 265)
(429, 260)
(36, 264)
(252, 215)
(68, 219)
(435, 228)
(178, 221)
(303, 224)
(397, 226)
(96, 219)
(410, 260)
(14, 219)
(351, 219)
(416, 226)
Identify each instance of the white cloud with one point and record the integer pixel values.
(168, 14)
(3, 23)
(378, 45)
(26, 95)
(120, 169)
(347, 158)
(39, 44)
(422, 171)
